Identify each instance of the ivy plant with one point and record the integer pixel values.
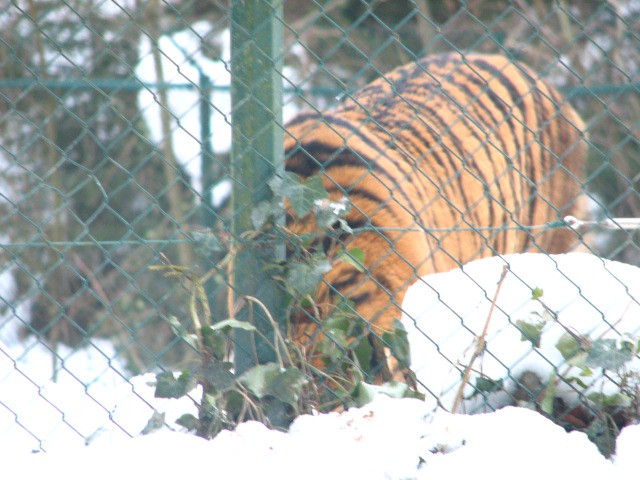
(275, 393)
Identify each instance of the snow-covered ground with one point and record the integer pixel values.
(388, 439)
(581, 295)
(92, 401)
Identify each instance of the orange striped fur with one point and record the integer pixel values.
(448, 142)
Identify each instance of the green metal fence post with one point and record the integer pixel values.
(256, 155)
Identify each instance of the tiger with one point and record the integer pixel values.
(442, 161)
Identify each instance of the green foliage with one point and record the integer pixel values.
(488, 385)
(548, 396)
(354, 257)
(228, 398)
(168, 386)
(587, 361)
(610, 354)
(571, 347)
(302, 194)
(398, 343)
(531, 331)
(348, 351)
(537, 293)
(303, 276)
(276, 392)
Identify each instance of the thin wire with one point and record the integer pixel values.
(39, 244)
(10, 245)
(608, 223)
(567, 222)
(111, 84)
(558, 224)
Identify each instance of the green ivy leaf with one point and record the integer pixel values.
(531, 331)
(571, 349)
(168, 386)
(603, 432)
(304, 277)
(363, 352)
(609, 354)
(234, 402)
(536, 293)
(617, 399)
(258, 378)
(578, 381)
(189, 422)
(333, 345)
(207, 243)
(287, 385)
(354, 257)
(277, 412)
(155, 423)
(398, 342)
(345, 318)
(214, 341)
(181, 332)
(232, 323)
(488, 385)
(546, 403)
(337, 323)
(302, 194)
(220, 376)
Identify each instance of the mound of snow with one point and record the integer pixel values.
(53, 401)
(445, 314)
(387, 439)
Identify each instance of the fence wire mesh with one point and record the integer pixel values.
(116, 176)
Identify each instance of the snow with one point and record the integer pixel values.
(606, 306)
(92, 402)
(385, 439)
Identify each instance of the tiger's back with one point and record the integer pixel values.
(442, 161)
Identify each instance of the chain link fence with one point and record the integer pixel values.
(117, 226)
